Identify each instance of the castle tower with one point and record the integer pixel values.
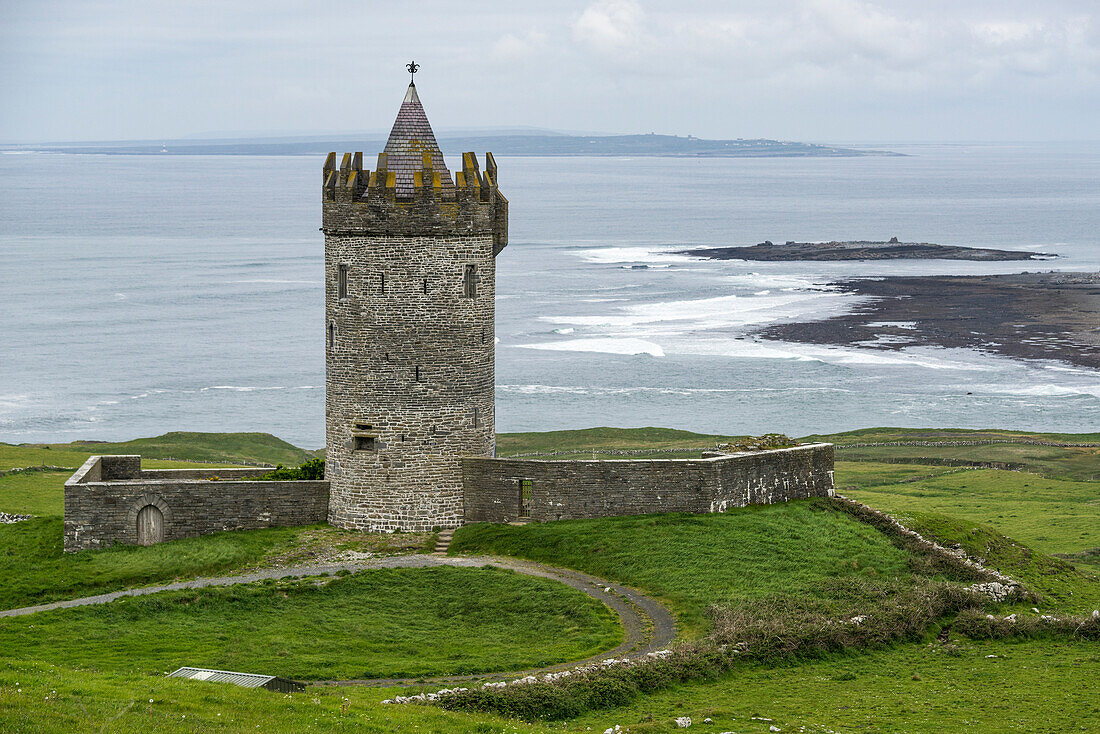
(409, 327)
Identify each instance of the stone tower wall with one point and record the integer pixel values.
(409, 352)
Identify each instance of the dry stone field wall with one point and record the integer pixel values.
(506, 490)
(111, 500)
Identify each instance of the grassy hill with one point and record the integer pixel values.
(228, 448)
(693, 561)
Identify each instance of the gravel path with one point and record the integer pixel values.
(648, 626)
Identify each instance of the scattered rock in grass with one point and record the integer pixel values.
(708, 720)
(858, 620)
(996, 590)
(7, 518)
(683, 722)
(612, 729)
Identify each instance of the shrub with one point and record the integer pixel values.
(310, 470)
(759, 443)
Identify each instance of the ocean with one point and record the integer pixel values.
(145, 294)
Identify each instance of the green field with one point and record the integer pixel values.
(1032, 686)
(95, 669)
(693, 561)
(375, 624)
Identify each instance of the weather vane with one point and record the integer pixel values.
(413, 67)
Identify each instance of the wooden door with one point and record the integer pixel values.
(150, 525)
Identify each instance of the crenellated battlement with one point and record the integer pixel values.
(358, 201)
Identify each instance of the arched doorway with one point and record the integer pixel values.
(150, 525)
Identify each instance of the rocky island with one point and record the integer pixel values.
(891, 249)
(1037, 316)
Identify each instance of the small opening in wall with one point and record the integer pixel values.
(477, 418)
(342, 281)
(363, 437)
(332, 335)
(416, 373)
(402, 438)
(483, 336)
(469, 281)
(525, 487)
(424, 285)
(382, 284)
(386, 356)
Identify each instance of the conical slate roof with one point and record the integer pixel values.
(410, 138)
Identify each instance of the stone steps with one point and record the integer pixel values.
(443, 541)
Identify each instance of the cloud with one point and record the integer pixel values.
(817, 69)
(611, 27)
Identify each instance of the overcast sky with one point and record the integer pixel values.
(817, 70)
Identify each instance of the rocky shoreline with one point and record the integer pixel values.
(1047, 316)
(890, 249)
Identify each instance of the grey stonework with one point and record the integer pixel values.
(562, 490)
(103, 499)
(410, 291)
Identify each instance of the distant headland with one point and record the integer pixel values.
(541, 143)
(891, 249)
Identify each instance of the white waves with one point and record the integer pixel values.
(603, 344)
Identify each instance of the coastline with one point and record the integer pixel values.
(860, 250)
(1030, 316)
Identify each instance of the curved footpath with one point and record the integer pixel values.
(647, 624)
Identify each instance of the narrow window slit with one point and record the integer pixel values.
(469, 281)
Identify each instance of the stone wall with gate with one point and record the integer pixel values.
(506, 490)
(112, 500)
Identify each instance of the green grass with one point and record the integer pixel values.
(375, 624)
(34, 493)
(746, 557)
(179, 445)
(44, 699)
(588, 439)
(1037, 686)
(873, 474)
(1032, 686)
(35, 570)
(1054, 516)
(692, 561)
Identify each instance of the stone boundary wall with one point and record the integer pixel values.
(104, 497)
(563, 490)
(982, 442)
